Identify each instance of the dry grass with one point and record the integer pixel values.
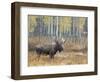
(59, 59)
(72, 54)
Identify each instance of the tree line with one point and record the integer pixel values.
(58, 26)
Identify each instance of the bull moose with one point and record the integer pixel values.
(50, 49)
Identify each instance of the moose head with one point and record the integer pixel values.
(59, 44)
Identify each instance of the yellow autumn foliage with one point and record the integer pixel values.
(31, 22)
(65, 23)
(47, 19)
(81, 22)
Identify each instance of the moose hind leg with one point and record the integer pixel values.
(51, 56)
(38, 57)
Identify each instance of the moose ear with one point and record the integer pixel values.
(63, 40)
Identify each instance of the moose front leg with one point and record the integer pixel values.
(38, 57)
(51, 56)
(52, 53)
